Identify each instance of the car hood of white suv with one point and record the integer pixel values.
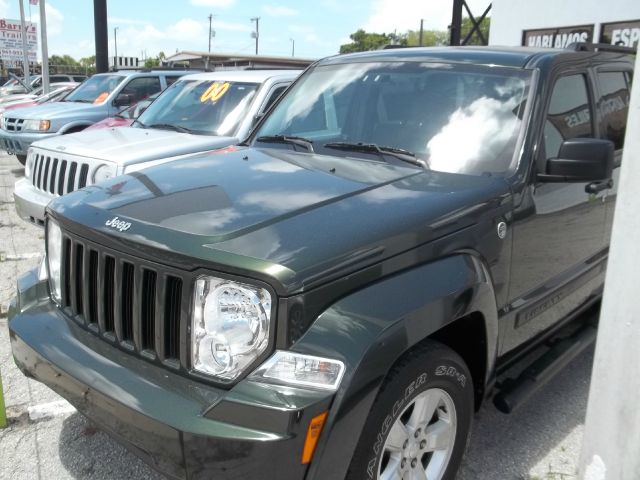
(130, 145)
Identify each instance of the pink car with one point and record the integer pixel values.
(124, 117)
(54, 96)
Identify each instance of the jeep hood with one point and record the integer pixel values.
(277, 213)
(128, 145)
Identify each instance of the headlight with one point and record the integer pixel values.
(102, 173)
(28, 166)
(37, 125)
(296, 369)
(54, 258)
(230, 327)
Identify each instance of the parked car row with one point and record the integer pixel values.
(197, 113)
(16, 85)
(397, 238)
(95, 99)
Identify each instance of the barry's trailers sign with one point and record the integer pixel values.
(558, 37)
(626, 34)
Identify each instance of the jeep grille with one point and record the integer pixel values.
(136, 305)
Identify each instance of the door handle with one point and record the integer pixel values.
(597, 187)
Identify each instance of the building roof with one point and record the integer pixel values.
(229, 58)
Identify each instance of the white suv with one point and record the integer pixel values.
(197, 113)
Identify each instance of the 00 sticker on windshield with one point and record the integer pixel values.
(215, 91)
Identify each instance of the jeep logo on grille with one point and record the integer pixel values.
(119, 225)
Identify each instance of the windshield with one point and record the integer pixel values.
(201, 106)
(55, 96)
(96, 89)
(455, 118)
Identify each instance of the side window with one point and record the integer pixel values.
(569, 114)
(171, 80)
(79, 79)
(614, 105)
(142, 87)
(58, 78)
(275, 94)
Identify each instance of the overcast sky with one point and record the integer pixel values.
(318, 26)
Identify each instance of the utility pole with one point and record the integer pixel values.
(101, 35)
(25, 55)
(612, 438)
(256, 34)
(293, 47)
(115, 47)
(210, 19)
(45, 48)
(421, 31)
(456, 23)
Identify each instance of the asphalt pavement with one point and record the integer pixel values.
(47, 439)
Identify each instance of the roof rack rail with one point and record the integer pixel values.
(600, 47)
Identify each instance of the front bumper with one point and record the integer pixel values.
(181, 427)
(18, 143)
(30, 202)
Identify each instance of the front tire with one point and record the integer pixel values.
(420, 421)
(22, 159)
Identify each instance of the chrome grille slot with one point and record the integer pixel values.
(61, 177)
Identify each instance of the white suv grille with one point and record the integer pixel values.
(60, 174)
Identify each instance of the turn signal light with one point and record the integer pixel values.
(313, 433)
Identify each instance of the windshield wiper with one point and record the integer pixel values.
(399, 153)
(300, 141)
(81, 100)
(168, 126)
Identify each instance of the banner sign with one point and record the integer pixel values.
(557, 37)
(11, 41)
(626, 34)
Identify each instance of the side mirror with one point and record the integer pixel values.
(123, 100)
(581, 160)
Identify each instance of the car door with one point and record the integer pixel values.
(558, 230)
(614, 87)
(138, 88)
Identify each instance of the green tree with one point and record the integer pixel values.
(467, 25)
(89, 64)
(363, 41)
(151, 62)
(430, 38)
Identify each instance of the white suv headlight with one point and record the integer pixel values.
(230, 326)
(102, 173)
(54, 259)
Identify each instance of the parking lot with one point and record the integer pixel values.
(46, 438)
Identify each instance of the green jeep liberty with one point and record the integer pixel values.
(334, 297)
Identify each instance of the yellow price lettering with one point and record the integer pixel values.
(214, 92)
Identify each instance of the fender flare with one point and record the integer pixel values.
(369, 330)
(69, 126)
